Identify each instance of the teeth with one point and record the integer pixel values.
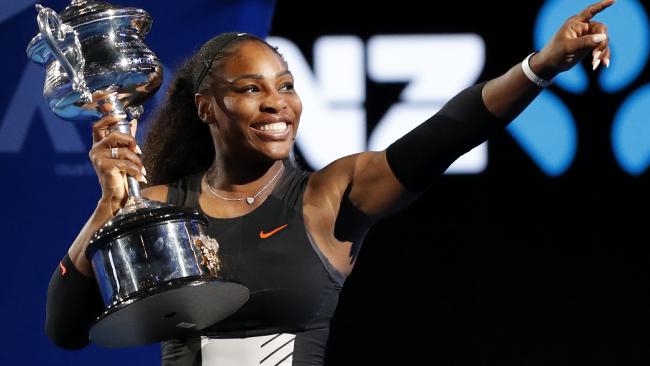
(278, 126)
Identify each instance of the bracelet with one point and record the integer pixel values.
(542, 83)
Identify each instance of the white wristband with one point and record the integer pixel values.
(542, 83)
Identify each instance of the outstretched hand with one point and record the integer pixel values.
(578, 37)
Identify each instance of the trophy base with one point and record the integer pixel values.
(171, 313)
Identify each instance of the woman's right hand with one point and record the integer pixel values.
(110, 171)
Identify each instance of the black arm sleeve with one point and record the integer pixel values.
(73, 303)
(426, 152)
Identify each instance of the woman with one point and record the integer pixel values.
(221, 144)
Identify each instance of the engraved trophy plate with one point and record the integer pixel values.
(157, 271)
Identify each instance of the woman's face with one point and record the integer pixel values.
(255, 108)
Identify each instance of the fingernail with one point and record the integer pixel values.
(606, 62)
(599, 37)
(137, 149)
(144, 171)
(597, 55)
(596, 64)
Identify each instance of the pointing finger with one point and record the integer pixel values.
(594, 9)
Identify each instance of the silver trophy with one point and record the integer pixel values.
(157, 270)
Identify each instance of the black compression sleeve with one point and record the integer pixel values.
(73, 303)
(423, 154)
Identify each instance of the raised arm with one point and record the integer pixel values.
(73, 298)
(507, 96)
(379, 182)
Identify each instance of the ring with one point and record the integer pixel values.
(114, 153)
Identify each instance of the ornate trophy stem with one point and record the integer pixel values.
(156, 269)
(124, 126)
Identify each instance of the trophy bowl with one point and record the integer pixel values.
(157, 270)
(95, 58)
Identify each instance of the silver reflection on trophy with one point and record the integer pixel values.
(106, 67)
(96, 63)
(156, 268)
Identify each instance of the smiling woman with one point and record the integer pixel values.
(221, 144)
(223, 114)
(251, 113)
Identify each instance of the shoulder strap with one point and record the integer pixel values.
(291, 186)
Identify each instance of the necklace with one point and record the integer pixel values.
(250, 199)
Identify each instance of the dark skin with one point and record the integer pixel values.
(255, 88)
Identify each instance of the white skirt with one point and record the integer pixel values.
(271, 350)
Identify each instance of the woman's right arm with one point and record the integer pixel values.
(73, 298)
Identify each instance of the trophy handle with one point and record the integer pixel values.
(55, 31)
(48, 23)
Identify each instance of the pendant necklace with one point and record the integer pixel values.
(250, 199)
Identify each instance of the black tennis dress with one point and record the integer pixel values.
(294, 290)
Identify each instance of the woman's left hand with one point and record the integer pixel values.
(577, 37)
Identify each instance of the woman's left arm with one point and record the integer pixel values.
(380, 182)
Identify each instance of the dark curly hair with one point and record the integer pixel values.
(178, 143)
